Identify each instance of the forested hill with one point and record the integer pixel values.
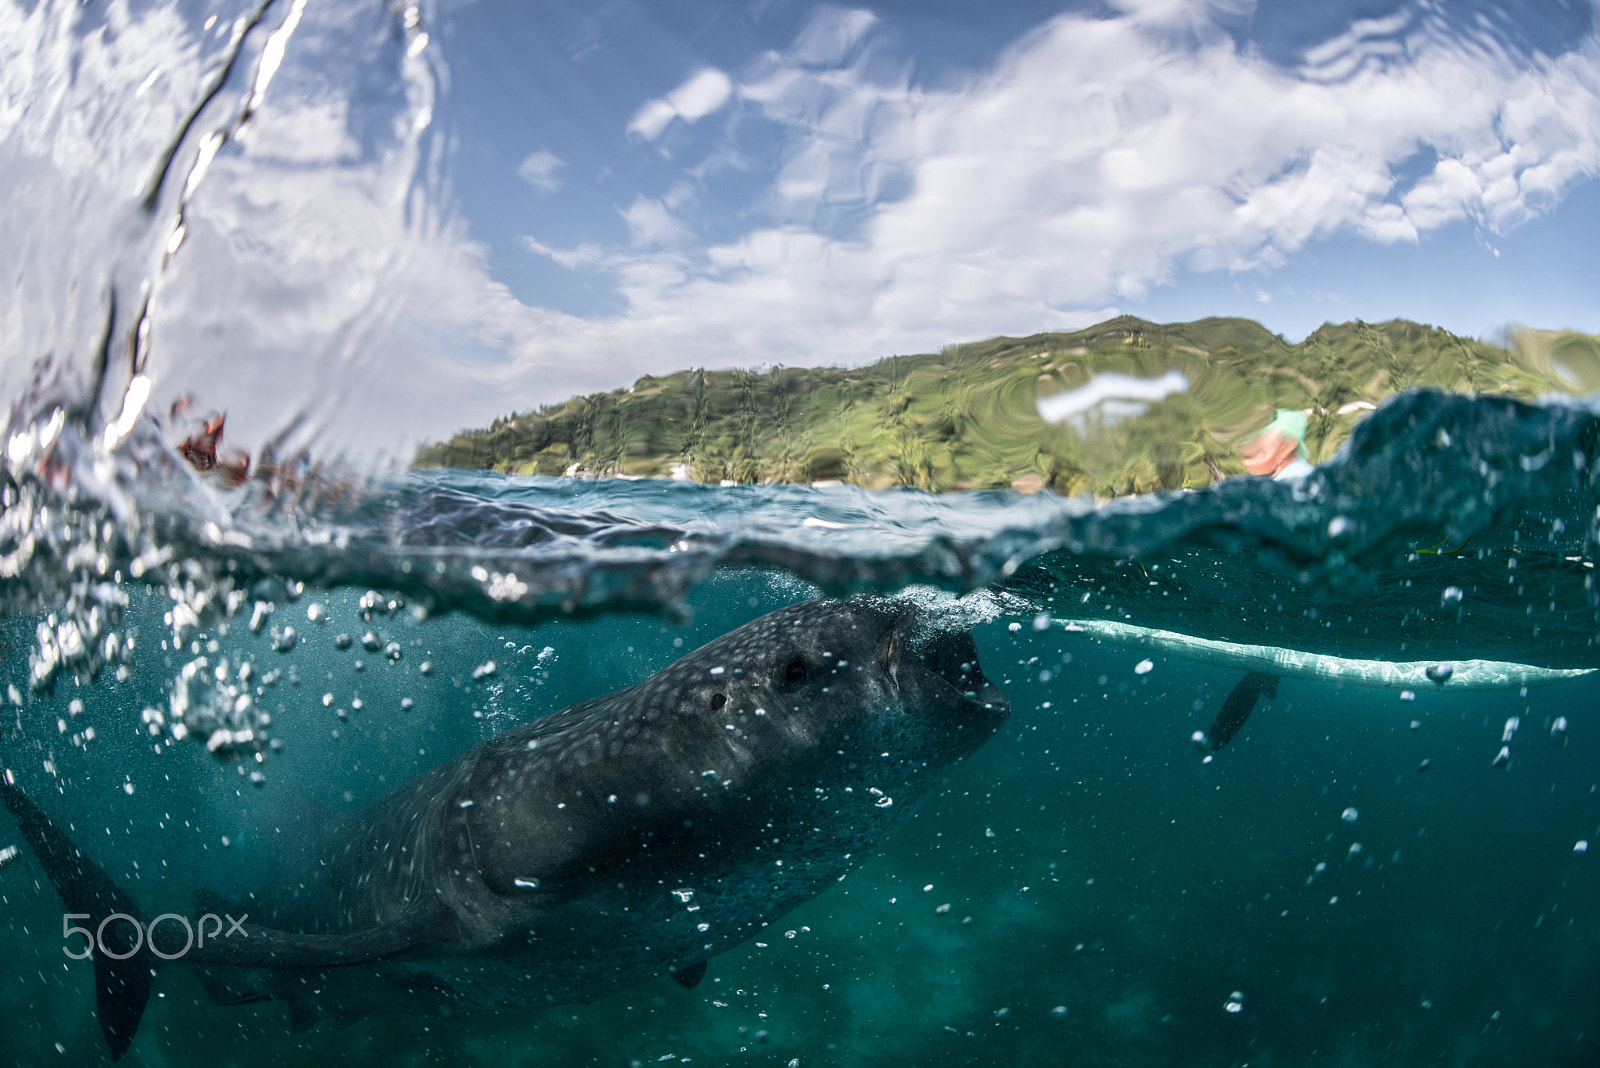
(967, 417)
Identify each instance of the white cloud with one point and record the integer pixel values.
(542, 170)
(651, 223)
(1096, 159)
(831, 35)
(699, 96)
(587, 254)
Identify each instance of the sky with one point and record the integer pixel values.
(422, 221)
(861, 181)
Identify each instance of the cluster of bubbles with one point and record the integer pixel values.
(63, 556)
(71, 533)
(943, 612)
(77, 530)
(218, 702)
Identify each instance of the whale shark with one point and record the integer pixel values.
(633, 835)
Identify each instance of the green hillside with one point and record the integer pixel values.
(967, 417)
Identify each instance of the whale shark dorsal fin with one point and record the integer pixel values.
(689, 975)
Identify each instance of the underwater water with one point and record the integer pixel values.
(1356, 879)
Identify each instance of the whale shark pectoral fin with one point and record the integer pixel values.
(689, 975)
(121, 984)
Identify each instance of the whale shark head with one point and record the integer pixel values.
(859, 670)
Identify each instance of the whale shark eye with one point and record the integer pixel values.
(718, 700)
(794, 671)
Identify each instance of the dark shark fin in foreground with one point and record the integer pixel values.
(1238, 706)
(121, 987)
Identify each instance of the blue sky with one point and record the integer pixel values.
(429, 221)
(799, 183)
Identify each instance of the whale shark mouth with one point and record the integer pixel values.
(948, 657)
(953, 657)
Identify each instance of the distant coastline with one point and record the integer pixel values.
(969, 417)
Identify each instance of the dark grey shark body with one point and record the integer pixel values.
(632, 835)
